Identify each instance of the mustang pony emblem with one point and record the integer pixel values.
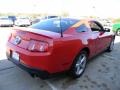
(17, 40)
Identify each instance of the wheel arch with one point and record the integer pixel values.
(85, 49)
(117, 29)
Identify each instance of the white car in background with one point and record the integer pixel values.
(38, 19)
(5, 21)
(106, 23)
(23, 22)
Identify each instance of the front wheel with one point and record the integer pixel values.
(79, 64)
(111, 46)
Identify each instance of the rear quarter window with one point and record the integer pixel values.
(82, 28)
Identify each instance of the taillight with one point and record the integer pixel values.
(38, 46)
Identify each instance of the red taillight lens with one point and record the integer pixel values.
(38, 46)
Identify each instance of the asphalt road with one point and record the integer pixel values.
(102, 73)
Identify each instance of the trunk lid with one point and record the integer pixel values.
(21, 37)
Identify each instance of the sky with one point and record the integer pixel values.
(102, 8)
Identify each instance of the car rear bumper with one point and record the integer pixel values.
(38, 72)
(40, 61)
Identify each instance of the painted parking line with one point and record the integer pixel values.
(48, 83)
(51, 85)
(7, 68)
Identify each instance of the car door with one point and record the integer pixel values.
(99, 37)
(105, 36)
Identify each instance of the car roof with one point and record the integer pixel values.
(80, 21)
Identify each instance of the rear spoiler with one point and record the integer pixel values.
(40, 32)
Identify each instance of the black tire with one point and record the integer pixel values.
(79, 65)
(118, 32)
(111, 46)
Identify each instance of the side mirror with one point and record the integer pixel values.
(107, 30)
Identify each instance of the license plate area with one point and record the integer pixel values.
(15, 56)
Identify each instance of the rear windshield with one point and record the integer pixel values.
(54, 25)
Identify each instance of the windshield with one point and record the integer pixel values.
(54, 25)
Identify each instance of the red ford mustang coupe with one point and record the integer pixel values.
(57, 45)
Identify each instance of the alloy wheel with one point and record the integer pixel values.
(80, 64)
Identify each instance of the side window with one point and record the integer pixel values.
(94, 26)
(82, 28)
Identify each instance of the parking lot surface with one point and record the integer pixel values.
(102, 73)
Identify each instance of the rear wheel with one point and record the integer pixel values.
(79, 64)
